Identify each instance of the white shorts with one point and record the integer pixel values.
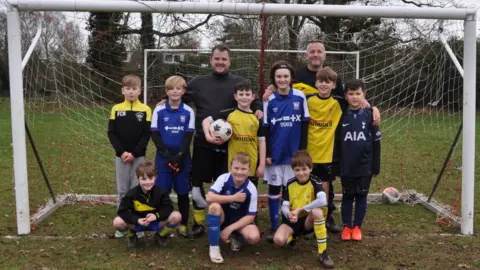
(278, 175)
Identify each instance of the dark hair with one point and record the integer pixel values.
(355, 84)
(301, 158)
(279, 65)
(146, 168)
(243, 85)
(326, 74)
(221, 48)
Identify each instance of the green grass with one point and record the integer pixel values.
(78, 158)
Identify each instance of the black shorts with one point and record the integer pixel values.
(356, 185)
(208, 163)
(324, 171)
(298, 227)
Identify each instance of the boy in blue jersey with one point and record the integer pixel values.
(173, 124)
(286, 120)
(359, 158)
(232, 209)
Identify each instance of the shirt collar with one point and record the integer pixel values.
(359, 111)
(180, 107)
(290, 94)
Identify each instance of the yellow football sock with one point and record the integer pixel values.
(166, 231)
(199, 216)
(325, 211)
(289, 239)
(320, 234)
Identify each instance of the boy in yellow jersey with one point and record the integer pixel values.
(325, 114)
(301, 212)
(248, 133)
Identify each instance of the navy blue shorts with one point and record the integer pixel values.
(153, 226)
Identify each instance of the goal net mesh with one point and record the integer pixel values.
(72, 81)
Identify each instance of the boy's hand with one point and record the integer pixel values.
(129, 158)
(376, 116)
(365, 104)
(268, 161)
(259, 114)
(225, 234)
(150, 217)
(260, 170)
(124, 156)
(239, 196)
(213, 139)
(143, 221)
(270, 89)
(161, 102)
(293, 216)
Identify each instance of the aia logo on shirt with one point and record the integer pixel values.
(182, 118)
(355, 136)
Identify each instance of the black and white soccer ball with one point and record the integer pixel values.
(221, 129)
(391, 195)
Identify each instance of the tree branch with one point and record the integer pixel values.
(172, 34)
(419, 4)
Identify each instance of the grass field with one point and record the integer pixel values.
(79, 159)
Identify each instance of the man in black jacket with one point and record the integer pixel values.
(210, 94)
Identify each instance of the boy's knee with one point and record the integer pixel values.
(253, 237)
(175, 217)
(317, 213)
(119, 223)
(279, 240)
(215, 209)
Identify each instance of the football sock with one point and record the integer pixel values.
(274, 205)
(347, 209)
(199, 216)
(321, 234)
(325, 211)
(184, 208)
(213, 224)
(167, 230)
(360, 209)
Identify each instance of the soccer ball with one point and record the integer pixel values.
(221, 129)
(391, 195)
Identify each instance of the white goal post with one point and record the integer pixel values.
(469, 16)
(146, 65)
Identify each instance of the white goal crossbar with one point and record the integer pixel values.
(16, 78)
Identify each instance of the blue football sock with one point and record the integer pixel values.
(347, 209)
(360, 209)
(213, 224)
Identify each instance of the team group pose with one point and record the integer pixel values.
(308, 129)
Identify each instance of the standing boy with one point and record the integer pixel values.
(173, 124)
(233, 207)
(359, 160)
(248, 133)
(286, 120)
(129, 133)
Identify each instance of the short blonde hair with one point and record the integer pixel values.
(173, 81)
(131, 80)
(242, 158)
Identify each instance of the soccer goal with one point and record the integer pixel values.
(419, 66)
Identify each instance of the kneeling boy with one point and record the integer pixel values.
(146, 207)
(301, 208)
(232, 209)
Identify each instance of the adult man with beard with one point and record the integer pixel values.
(210, 94)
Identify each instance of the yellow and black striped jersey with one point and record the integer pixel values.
(247, 130)
(300, 195)
(325, 114)
(129, 127)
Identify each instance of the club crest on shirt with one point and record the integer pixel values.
(182, 118)
(139, 116)
(296, 106)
